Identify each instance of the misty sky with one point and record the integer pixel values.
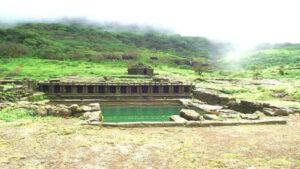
(241, 21)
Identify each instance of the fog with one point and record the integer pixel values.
(244, 23)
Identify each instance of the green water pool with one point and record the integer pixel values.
(136, 113)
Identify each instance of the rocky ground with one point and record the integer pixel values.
(53, 142)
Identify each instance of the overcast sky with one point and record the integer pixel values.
(241, 21)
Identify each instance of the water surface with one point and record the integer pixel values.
(136, 113)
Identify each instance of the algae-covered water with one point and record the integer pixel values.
(137, 113)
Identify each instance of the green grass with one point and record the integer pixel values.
(12, 114)
(41, 69)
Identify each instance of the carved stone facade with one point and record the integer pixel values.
(115, 90)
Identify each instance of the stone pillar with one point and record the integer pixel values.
(139, 89)
(62, 88)
(150, 88)
(118, 89)
(51, 88)
(96, 88)
(73, 89)
(160, 89)
(128, 90)
(171, 90)
(84, 89)
(181, 89)
(106, 89)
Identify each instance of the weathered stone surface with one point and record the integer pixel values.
(278, 111)
(86, 108)
(92, 116)
(75, 109)
(62, 111)
(269, 111)
(206, 108)
(229, 116)
(210, 117)
(41, 111)
(178, 119)
(50, 110)
(193, 123)
(224, 100)
(189, 114)
(284, 112)
(211, 97)
(228, 111)
(250, 116)
(207, 96)
(95, 106)
(43, 102)
(247, 106)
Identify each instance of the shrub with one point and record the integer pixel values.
(296, 95)
(281, 71)
(11, 114)
(9, 50)
(257, 75)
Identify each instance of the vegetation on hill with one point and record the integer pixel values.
(45, 50)
(75, 41)
(275, 55)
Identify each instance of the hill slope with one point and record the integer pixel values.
(75, 41)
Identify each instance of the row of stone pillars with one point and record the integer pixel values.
(113, 89)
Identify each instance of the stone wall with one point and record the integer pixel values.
(141, 71)
(243, 106)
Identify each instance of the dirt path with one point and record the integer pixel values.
(63, 143)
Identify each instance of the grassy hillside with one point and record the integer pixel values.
(75, 41)
(276, 55)
(43, 50)
(36, 68)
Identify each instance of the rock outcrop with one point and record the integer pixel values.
(189, 114)
(243, 106)
(92, 116)
(177, 119)
(92, 112)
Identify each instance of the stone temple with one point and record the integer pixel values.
(115, 88)
(140, 69)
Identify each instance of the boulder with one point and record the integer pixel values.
(229, 116)
(268, 111)
(206, 108)
(284, 111)
(95, 106)
(2, 106)
(75, 109)
(250, 116)
(178, 119)
(85, 108)
(23, 103)
(210, 117)
(224, 100)
(228, 111)
(189, 114)
(278, 111)
(92, 116)
(43, 102)
(62, 111)
(247, 106)
(50, 110)
(41, 111)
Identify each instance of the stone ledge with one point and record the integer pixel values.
(190, 123)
